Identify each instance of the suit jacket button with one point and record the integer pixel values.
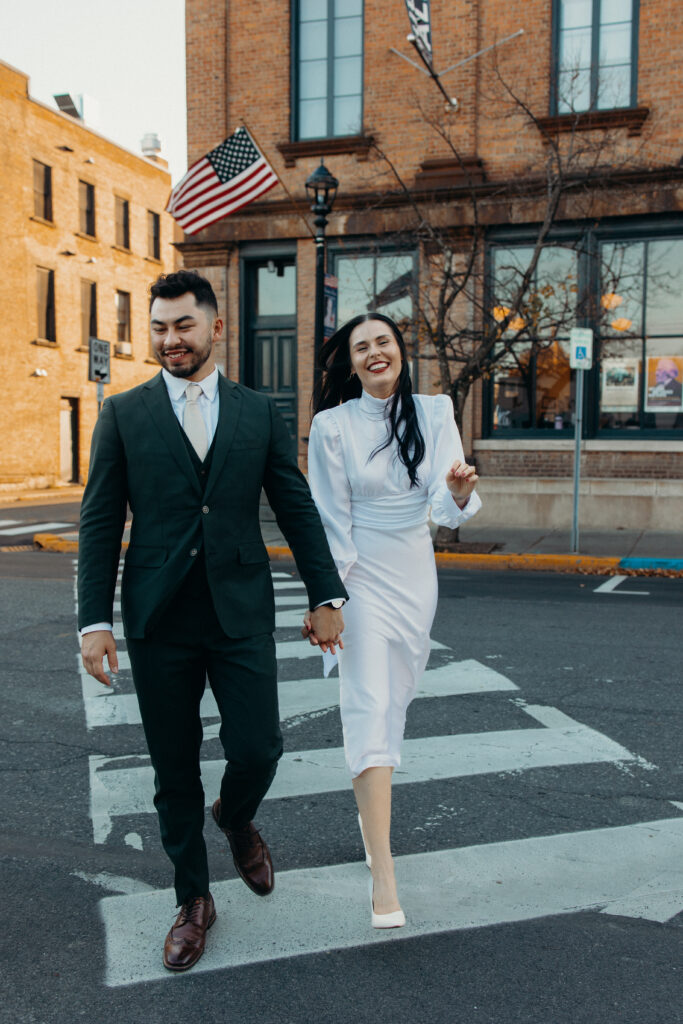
(193, 552)
(205, 509)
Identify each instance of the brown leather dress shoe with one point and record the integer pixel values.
(186, 940)
(250, 855)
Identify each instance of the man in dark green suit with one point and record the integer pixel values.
(189, 452)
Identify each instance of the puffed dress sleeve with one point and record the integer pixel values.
(331, 489)
(447, 450)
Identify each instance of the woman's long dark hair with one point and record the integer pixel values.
(337, 385)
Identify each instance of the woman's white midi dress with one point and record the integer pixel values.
(378, 531)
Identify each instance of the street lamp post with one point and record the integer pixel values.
(321, 187)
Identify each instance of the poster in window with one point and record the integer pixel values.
(619, 385)
(664, 384)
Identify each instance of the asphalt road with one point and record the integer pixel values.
(535, 855)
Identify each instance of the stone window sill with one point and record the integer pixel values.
(89, 238)
(631, 118)
(122, 248)
(122, 355)
(43, 220)
(358, 144)
(153, 259)
(45, 343)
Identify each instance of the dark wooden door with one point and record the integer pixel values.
(270, 344)
(275, 369)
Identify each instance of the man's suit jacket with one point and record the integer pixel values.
(139, 457)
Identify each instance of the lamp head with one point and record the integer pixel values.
(322, 187)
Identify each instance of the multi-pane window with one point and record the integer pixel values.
(122, 217)
(381, 282)
(88, 311)
(328, 71)
(123, 316)
(532, 383)
(596, 54)
(45, 281)
(629, 290)
(153, 235)
(86, 208)
(641, 336)
(42, 190)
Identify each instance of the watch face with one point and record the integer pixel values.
(337, 603)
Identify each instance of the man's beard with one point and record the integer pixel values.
(197, 359)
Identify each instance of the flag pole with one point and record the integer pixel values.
(289, 194)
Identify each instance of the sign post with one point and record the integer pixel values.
(99, 367)
(580, 359)
(330, 314)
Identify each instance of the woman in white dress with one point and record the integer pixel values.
(379, 457)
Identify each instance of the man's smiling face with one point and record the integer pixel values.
(183, 336)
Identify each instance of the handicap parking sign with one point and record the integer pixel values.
(581, 348)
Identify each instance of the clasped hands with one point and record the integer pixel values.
(461, 480)
(323, 627)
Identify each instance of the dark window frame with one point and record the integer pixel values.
(122, 223)
(46, 318)
(42, 198)
(153, 235)
(89, 322)
(86, 208)
(123, 323)
(294, 76)
(622, 229)
(595, 65)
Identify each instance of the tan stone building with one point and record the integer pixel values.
(82, 234)
(597, 85)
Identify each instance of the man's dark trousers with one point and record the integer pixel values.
(170, 667)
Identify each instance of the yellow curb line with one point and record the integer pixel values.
(537, 562)
(581, 564)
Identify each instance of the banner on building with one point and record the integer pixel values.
(421, 27)
(330, 292)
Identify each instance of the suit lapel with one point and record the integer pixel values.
(159, 406)
(229, 407)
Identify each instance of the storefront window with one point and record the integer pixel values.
(383, 282)
(532, 384)
(641, 330)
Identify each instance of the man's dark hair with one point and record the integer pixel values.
(172, 286)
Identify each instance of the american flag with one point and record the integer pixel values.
(230, 176)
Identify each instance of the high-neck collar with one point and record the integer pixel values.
(376, 408)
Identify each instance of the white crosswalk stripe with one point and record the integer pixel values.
(15, 531)
(633, 869)
(326, 908)
(130, 790)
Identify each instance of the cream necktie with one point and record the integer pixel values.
(193, 421)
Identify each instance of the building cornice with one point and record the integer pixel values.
(220, 237)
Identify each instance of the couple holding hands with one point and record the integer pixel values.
(189, 452)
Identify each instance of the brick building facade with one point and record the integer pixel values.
(83, 233)
(598, 83)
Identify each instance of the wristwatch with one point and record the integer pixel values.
(337, 603)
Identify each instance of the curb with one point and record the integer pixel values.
(586, 565)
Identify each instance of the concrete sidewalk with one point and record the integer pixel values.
(492, 547)
(601, 552)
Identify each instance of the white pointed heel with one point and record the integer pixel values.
(368, 858)
(396, 919)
